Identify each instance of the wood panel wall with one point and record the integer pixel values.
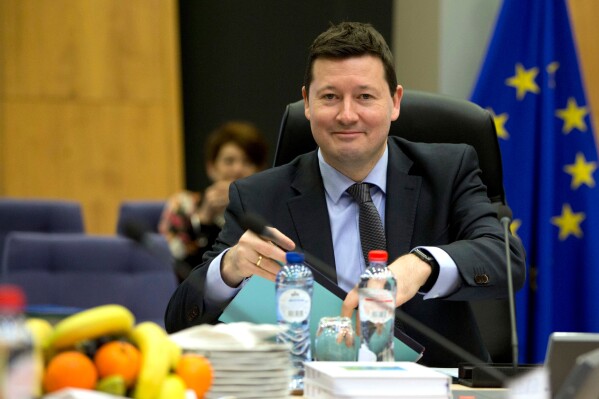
(583, 14)
(90, 103)
(90, 99)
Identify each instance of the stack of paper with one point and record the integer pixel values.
(369, 380)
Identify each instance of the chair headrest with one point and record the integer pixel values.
(424, 117)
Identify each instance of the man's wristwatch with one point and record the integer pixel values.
(425, 256)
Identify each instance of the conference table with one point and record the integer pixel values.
(460, 391)
(463, 392)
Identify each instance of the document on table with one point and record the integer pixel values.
(256, 303)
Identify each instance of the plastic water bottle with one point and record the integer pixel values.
(17, 364)
(377, 291)
(294, 284)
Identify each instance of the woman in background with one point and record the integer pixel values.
(191, 221)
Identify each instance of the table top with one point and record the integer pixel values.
(463, 392)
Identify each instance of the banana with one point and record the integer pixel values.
(175, 353)
(91, 323)
(40, 329)
(151, 339)
(173, 387)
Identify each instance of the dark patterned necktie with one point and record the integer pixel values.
(372, 233)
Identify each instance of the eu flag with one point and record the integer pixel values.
(532, 84)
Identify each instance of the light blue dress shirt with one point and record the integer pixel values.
(344, 214)
(344, 219)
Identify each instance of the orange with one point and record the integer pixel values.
(196, 371)
(70, 369)
(118, 358)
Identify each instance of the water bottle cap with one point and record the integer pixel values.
(294, 257)
(11, 297)
(378, 255)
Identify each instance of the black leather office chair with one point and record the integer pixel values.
(432, 118)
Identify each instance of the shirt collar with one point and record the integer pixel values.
(335, 182)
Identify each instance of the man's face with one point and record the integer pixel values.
(350, 110)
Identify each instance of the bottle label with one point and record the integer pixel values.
(294, 305)
(376, 305)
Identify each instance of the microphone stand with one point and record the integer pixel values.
(140, 234)
(504, 216)
(505, 221)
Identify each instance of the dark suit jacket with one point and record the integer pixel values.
(434, 197)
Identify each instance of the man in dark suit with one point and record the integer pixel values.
(429, 196)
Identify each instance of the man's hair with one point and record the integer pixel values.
(351, 39)
(243, 134)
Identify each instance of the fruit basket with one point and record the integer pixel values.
(101, 353)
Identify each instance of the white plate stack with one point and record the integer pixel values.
(263, 373)
(245, 361)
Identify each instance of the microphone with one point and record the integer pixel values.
(136, 231)
(258, 225)
(504, 213)
(140, 234)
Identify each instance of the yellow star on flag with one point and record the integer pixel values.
(500, 121)
(568, 222)
(551, 68)
(514, 226)
(524, 81)
(573, 116)
(581, 171)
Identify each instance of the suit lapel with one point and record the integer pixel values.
(310, 216)
(401, 203)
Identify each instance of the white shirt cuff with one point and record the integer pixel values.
(449, 277)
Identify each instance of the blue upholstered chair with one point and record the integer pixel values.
(83, 271)
(145, 214)
(47, 216)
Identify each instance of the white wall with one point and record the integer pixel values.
(439, 44)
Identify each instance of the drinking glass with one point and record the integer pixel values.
(335, 340)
